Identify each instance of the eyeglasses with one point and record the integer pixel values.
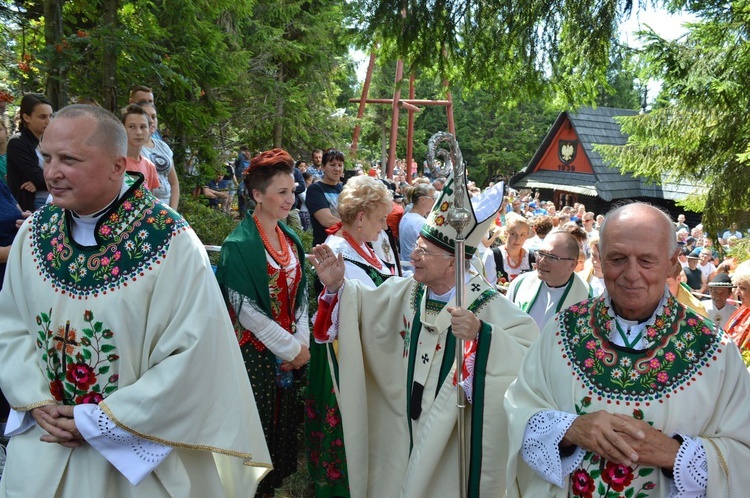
(421, 253)
(540, 255)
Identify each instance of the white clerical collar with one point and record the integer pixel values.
(630, 333)
(444, 298)
(83, 226)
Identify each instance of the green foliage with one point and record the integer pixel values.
(512, 50)
(699, 130)
(210, 225)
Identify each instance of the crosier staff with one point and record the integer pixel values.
(458, 218)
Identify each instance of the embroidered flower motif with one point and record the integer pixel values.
(600, 354)
(105, 230)
(591, 345)
(669, 356)
(332, 417)
(77, 361)
(81, 375)
(333, 473)
(690, 355)
(654, 363)
(439, 220)
(445, 206)
(662, 377)
(89, 398)
(625, 361)
(588, 363)
(582, 484)
(616, 374)
(618, 476)
(56, 390)
(633, 375)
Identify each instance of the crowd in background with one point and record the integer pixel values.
(532, 243)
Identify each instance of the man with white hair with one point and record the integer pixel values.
(631, 392)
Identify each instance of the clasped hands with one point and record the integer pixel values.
(60, 425)
(622, 439)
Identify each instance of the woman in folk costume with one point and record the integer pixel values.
(738, 325)
(364, 204)
(268, 305)
(503, 264)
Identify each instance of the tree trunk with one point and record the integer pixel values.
(56, 87)
(109, 57)
(278, 122)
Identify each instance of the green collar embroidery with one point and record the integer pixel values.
(680, 343)
(132, 237)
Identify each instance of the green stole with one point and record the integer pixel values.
(480, 367)
(526, 307)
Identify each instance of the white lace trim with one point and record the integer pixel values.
(540, 449)
(690, 470)
(133, 456)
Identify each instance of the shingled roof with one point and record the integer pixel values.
(593, 126)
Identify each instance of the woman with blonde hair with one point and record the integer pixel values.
(505, 263)
(363, 205)
(422, 197)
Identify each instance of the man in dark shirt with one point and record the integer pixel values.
(322, 196)
(692, 272)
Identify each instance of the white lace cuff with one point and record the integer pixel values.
(540, 449)
(133, 456)
(690, 470)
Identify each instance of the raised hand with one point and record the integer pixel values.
(329, 267)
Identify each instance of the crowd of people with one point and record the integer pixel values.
(133, 370)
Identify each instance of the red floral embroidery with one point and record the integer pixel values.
(582, 484)
(618, 476)
(90, 398)
(81, 375)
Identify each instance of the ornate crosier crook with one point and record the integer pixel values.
(458, 218)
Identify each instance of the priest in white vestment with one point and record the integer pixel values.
(397, 372)
(631, 394)
(117, 355)
(553, 285)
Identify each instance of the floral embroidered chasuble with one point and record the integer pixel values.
(689, 380)
(137, 325)
(398, 444)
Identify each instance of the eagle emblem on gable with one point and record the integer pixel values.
(566, 150)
